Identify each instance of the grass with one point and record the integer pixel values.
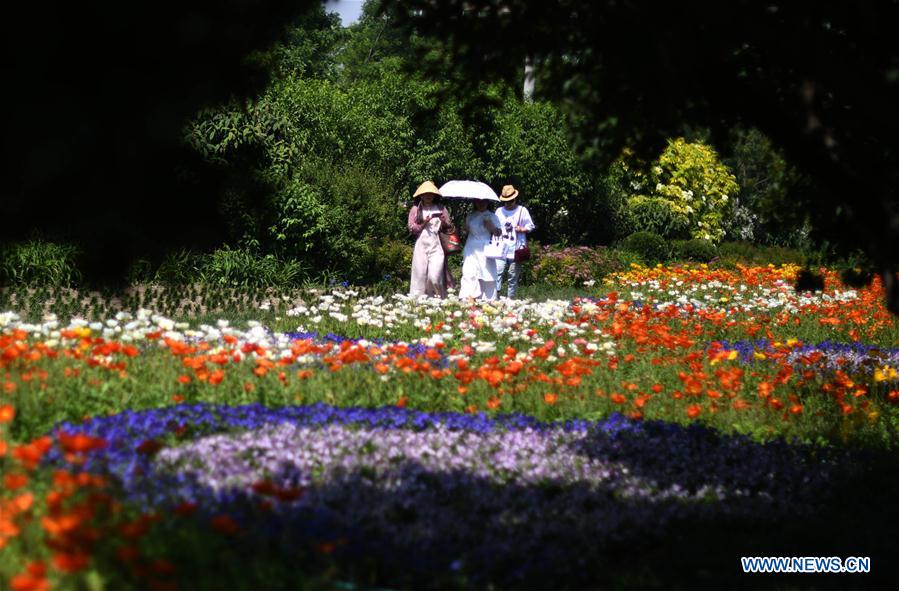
(151, 380)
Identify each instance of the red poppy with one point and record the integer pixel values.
(225, 524)
(70, 562)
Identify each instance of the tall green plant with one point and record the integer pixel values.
(38, 262)
(243, 268)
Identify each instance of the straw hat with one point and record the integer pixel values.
(509, 193)
(426, 187)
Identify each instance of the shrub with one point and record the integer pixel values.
(38, 262)
(656, 215)
(238, 267)
(572, 266)
(650, 247)
(391, 261)
(766, 210)
(746, 253)
(615, 188)
(692, 178)
(336, 217)
(180, 267)
(530, 149)
(701, 251)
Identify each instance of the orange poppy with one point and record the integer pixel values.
(7, 413)
(15, 481)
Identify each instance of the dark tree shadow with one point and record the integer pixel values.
(680, 507)
(100, 93)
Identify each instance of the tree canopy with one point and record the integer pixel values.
(282, 110)
(821, 79)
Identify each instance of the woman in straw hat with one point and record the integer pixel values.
(516, 224)
(430, 275)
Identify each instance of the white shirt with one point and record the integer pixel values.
(519, 216)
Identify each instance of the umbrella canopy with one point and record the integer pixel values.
(467, 190)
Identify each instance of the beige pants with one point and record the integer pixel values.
(427, 266)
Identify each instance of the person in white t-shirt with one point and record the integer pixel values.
(516, 224)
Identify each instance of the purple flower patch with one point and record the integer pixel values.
(500, 499)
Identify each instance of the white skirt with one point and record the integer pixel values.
(475, 268)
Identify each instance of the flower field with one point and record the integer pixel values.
(203, 438)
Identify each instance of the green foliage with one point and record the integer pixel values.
(320, 164)
(366, 121)
(255, 130)
(574, 266)
(180, 267)
(391, 262)
(746, 253)
(321, 160)
(656, 215)
(238, 267)
(614, 188)
(651, 248)
(698, 186)
(326, 166)
(308, 48)
(377, 44)
(762, 212)
(226, 266)
(38, 262)
(339, 218)
(446, 150)
(700, 251)
(531, 150)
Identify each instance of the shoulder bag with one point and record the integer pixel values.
(523, 253)
(450, 240)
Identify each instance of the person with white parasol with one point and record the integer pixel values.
(482, 225)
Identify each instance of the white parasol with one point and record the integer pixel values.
(467, 190)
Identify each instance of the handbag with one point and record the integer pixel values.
(494, 249)
(522, 253)
(450, 241)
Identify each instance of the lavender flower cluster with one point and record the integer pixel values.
(504, 499)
